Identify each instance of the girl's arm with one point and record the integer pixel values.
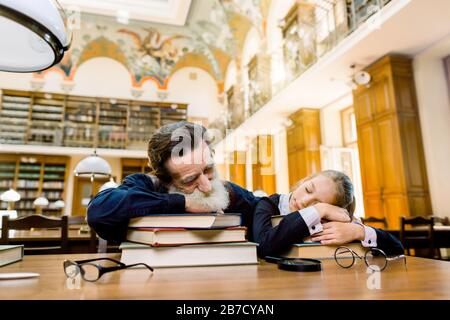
(274, 240)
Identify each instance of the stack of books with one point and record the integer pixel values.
(315, 250)
(181, 240)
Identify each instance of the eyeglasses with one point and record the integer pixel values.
(374, 258)
(91, 271)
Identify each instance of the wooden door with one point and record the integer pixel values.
(303, 143)
(390, 144)
(237, 168)
(263, 169)
(82, 193)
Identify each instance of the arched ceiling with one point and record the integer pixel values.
(213, 34)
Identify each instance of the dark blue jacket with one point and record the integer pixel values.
(293, 229)
(110, 210)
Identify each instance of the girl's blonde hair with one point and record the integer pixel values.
(345, 197)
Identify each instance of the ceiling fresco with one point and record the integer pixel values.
(214, 34)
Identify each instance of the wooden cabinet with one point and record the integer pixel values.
(303, 144)
(46, 115)
(130, 166)
(74, 121)
(390, 143)
(263, 164)
(80, 119)
(14, 117)
(237, 168)
(33, 176)
(112, 124)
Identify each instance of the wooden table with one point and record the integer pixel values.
(423, 279)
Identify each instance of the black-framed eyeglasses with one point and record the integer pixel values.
(90, 271)
(374, 258)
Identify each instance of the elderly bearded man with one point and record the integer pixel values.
(183, 179)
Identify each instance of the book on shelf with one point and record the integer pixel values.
(195, 255)
(316, 250)
(180, 236)
(187, 220)
(10, 254)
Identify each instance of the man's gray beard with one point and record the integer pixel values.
(215, 201)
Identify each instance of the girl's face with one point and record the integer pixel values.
(312, 191)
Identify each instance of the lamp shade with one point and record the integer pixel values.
(59, 204)
(92, 166)
(10, 196)
(34, 35)
(108, 185)
(41, 202)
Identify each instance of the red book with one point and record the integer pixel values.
(179, 236)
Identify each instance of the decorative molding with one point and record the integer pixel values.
(136, 92)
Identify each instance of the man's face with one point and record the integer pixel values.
(194, 170)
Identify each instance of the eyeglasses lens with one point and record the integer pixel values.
(71, 269)
(90, 272)
(376, 260)
(344, 257)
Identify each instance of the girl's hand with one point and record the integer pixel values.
(332, 213)
(337, 233)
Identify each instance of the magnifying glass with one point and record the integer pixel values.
(296, 264)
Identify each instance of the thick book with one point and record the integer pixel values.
(187, 220)
(196, 255)
(316, 250)
(10, 254)
(276, 220)
(180, 236)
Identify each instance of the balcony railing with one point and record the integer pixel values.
(308, 37)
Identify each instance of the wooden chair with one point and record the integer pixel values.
(443, 221)
(370, 220)
(97, 244)
(419, 242)
(37, 221)
(81, 220)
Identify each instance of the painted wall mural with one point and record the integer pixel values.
(213, 35)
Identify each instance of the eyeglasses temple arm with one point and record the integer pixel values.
(121, 267)
(139, 264)
(99, 259)
(402, 256)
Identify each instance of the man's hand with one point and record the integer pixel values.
(337, 233)
(332, 213)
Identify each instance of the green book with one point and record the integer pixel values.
(10, 254)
